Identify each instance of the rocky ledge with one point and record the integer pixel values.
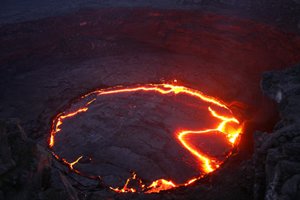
(277, 154)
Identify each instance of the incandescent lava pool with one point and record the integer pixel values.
(145, 138)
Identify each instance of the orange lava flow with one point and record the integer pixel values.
(227, 125)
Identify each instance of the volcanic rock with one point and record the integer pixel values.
(28, 171)
(48, 62)
(277, 160)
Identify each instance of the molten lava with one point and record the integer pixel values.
(227, 124)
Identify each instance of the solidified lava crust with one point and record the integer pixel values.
(145, 138)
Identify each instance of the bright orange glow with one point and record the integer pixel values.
(227, 125)
(160, 185)
(126, 188)
(59, 120)
(191, 181)
(75, 162)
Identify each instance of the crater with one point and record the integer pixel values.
(145, 138)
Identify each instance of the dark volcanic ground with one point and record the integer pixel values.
(48, 62)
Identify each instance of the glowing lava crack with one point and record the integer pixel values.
(227, 124)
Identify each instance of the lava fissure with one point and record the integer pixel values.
(227, 125)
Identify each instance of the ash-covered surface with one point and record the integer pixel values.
(47, 63)
(277, 154)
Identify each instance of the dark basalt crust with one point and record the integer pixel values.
(138, 132)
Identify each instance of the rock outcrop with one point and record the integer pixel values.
(27, 170)
(277, 156)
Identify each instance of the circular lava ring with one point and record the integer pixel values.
(227, 125)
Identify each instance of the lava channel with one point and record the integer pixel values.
(226, 124)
